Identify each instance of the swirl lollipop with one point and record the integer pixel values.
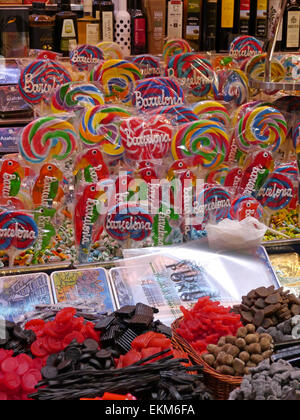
(288, 169)
(212, 110)
(40, 78)
(256, 66)
(213, 204)
(18, 231)
(48, 138)
(231, 86)
(148, 65)
(174, 47)
(291, 64)
(176, 114)
(217, 176)
(128, 221)
(246, 206)
(263, 127)
(205, 140)
(100, 126)
(193, 71)
(111, 50)
(118, 79)
(157, 92)
(86, 56)
(73, 96)
(277, 193)
(244, 47)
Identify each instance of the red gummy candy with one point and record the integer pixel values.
(38, 350)
(30, 380)
(9, 365)
(73, 336)
(12, 381)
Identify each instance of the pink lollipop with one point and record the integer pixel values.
(40, 78)
(128, 221)
(245, 206)
(146, 140)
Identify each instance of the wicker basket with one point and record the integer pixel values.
(220, 385)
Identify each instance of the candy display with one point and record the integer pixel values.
(231, 86)
(175, 47)
(244, 47)
(212, 110)
(255, 68)
(149, 65)
(86, 57)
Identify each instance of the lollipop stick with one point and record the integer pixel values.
(276, 232)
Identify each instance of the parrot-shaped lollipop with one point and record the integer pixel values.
(11, 176)
(93, 166)
(43, 217)
(256, 172)
(46, 189)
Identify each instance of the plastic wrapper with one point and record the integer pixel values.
(174, 47)
(205, 140)
(157, 92)
(85, 57)
(39, 79)
(233, 234)
(243, 47)
(193, 72)
(168, 277)
(213, 110)
(149, 65)
(75, 96)
(118, 79)
(231, 86)
(100, 127)
(111, 50)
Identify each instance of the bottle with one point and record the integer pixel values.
(259, 19)
(41, 28)
(123, 27)
(244, 28)
(273, 16)
(106, 13)
(14, 34)
(96, 9)
(194, 20)
(138, 29)
(88, 26)
(228, 22)
(156, 25)
(175, 19)
(291, 27)
(209, 25)
(66, 29)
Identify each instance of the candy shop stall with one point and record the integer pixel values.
(149, 212)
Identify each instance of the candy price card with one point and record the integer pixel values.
(20, 294)
(90, 285)
(181, 275)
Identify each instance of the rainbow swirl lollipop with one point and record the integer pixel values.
(244, 47)
(76, 95)
(39, 79)
(212, 110)
(263, 127)
(291, 64)
(206, 140)
(255, 68)
(174, 47)
(118, 79)
(47, 139)
(101, 126)
(193, 71)
(17, 230)
(111, 50)
(231, 86)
